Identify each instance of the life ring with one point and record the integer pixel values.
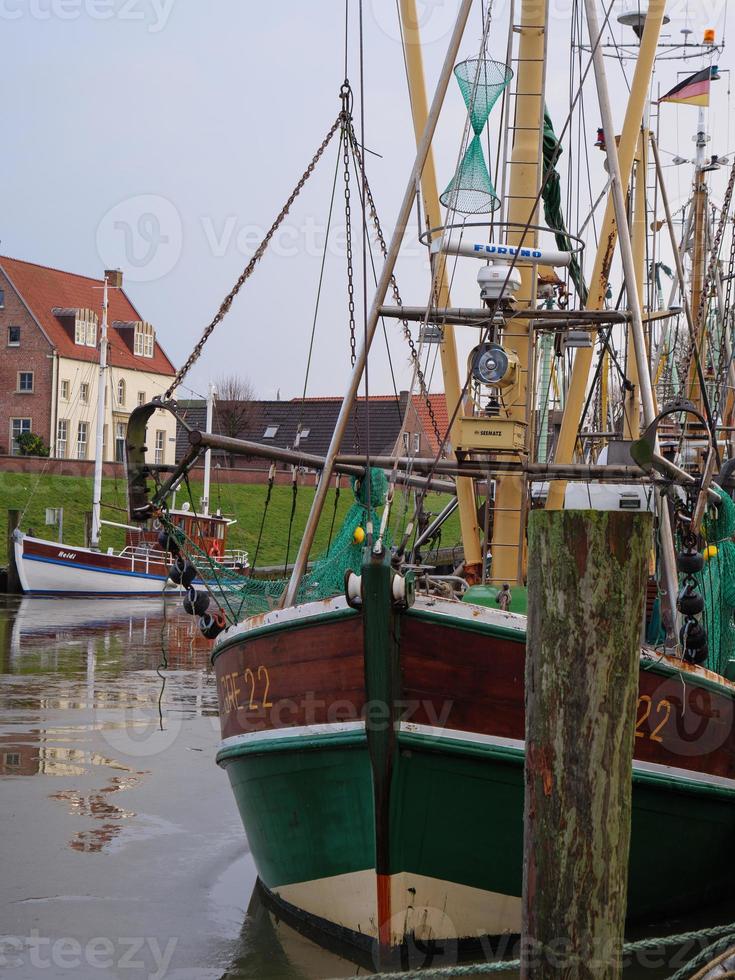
(214, 550)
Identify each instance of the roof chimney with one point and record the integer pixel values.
(114, 278)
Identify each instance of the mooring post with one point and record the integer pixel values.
(14, 587)
(586, 587)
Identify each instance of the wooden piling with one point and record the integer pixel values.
(586, 587)
(14, 587)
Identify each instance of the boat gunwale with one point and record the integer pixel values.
(473, 618)
(671, 779)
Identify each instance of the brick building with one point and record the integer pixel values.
(309, 424)
(49, 375)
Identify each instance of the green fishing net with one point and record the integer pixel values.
(241, 596)
(717, 583)
(481, 82)
(471, 190)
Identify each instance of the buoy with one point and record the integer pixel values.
(167, 542)
(359, 536)
(709, 552)
(196, 603)
(212, 625)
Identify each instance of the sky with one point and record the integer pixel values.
(163, 137)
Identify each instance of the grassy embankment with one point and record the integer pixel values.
(32, 494)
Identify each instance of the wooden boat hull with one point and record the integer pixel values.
(46, 567)
(292, 705)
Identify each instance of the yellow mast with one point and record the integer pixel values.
(608, 236)
(525, 179)
(450, 368)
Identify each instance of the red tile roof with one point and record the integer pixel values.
(43, 289)
(439, 407)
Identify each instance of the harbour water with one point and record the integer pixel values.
(121, 850)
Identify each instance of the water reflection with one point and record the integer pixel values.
(127, 828)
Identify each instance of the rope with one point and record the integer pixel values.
(725, 934)
(271, 478)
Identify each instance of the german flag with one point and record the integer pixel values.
(693, 90)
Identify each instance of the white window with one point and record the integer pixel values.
(62, 437)
(405, 443)
(65, 390)
(12, 760)
(84, 392)
(160, 446)
(25, 381)
(120, 433)
(121, 392)
(416, 442)
(13, 336)
(270, 432)
(17, 428)
(85, 328)
(144, 340)
(82, 432)
(2, 299)
(304, 434)
(141, 398)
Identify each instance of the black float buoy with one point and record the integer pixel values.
(196, 603)
(212, 624)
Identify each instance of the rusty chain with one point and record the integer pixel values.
(346, 126)
(394, 289)
(247, 272)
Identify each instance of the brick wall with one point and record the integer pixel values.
(85, 467)
(32, 354)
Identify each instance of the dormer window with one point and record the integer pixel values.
(144, 340)
(85, 328)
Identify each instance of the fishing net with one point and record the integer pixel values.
(241, 596)
(471, 190)
(481, 82)
(717, 583)
(553, 213)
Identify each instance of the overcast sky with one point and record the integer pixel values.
(163, 136)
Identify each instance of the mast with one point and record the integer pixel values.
(699, 207)
(525, 179)
(632, 406)
(565, 447)
(448, 350)
(212, 391)
(100, 434)
(422, 152)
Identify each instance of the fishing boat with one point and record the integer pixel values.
(142, 566)
(372, 710)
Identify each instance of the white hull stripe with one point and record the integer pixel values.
(447, 734)
(287, 734)
(93, 568)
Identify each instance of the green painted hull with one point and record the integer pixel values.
(457, 816)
